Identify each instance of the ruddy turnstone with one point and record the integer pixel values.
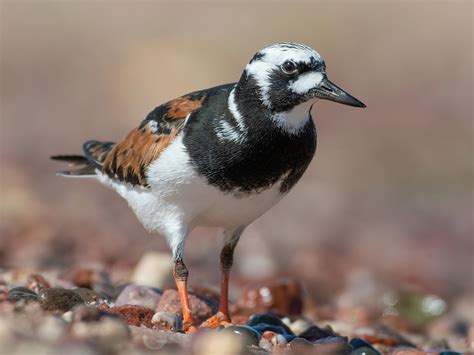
(218, 157)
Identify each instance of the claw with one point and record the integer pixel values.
(216, 320)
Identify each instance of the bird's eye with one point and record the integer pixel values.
(289, 67)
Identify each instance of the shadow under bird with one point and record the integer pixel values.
(219, 157)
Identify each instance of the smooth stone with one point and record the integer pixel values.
(166, 321)
(154, 269)
(361, 347)
(269, 319)
(138, 295)
(58, 299)
(247, 334)
(221, 342)
(261, 328)
(92, 298)
(300, 346)
(314, 333)
(111, 333)
(135, 315)
(201, 308)
(336, 345)
(22, 293)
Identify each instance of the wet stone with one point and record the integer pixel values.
(135, 315)
(268, 319)
(314, 333)
(138, 295)
(361, 347)
(22, 293)
(246, 334)
(271, 341)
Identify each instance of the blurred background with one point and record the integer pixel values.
(387, 201)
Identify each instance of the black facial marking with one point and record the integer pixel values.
(257, 56)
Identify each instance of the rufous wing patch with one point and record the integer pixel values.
(129, 159)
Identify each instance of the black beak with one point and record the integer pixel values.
(330, 91)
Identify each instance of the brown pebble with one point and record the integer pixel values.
(135, 315)
(201, 307)
(280, 296)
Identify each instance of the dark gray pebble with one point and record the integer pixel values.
(249, 335)
(269, 319)
(361, 347)
(58, 299)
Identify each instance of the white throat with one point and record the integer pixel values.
(292, 121)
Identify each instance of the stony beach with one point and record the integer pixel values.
(95, 311)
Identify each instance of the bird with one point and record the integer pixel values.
(219, 157)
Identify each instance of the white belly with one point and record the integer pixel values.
(179, 199)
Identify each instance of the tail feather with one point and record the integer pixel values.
(71, 159)
(85, 171)
(95, 154)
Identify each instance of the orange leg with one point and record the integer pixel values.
(222, 317)
(180, 274)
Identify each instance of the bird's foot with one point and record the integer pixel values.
(189, 328)
(216, 320)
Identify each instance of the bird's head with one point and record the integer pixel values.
(287, 75)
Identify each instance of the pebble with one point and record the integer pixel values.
(154, 270)
(362, 348)
(166, 321)
(314, 333)
(37, 282)
(201, 308)
(332, 345)
(271, 341)
(83, 313)
(22, 293)
(58, 299)
(301, 346)
(381, 334)
(109, 332)
(298, 326)
(222, 342)
(91, 297)
(247, 335)
(280, 296)
(134, 315)
(138, 295)
(155, 339)
(51, 328)
(268, 319)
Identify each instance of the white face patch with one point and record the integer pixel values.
(274, 56)
(306, 82)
